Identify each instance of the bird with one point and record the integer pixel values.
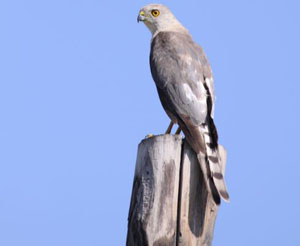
(184, 82)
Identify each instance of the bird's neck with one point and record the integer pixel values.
(177, 27)
(171, 25)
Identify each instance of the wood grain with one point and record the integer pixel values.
(197, 209)
(170, 205)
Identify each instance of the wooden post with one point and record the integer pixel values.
(198, 211)
(169, 205)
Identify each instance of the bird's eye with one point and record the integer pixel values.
(155, 12)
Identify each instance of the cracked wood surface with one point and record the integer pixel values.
(169, 205)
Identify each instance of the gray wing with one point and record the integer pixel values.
(183, 76)
(208, 76)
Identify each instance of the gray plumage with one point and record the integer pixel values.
(184, 83)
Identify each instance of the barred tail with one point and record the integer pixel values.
(213, 166)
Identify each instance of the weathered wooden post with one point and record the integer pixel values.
(169, 205)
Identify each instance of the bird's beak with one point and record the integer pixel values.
(141, 16)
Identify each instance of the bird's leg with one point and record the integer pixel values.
(178, 130)
(168, 131)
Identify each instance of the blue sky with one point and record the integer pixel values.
(76, 98)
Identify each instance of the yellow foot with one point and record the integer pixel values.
(149, 136)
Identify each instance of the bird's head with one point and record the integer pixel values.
(158, 17)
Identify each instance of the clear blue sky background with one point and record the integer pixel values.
(76, 98)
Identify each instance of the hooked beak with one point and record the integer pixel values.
(141, 16)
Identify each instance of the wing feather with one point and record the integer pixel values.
(178, 71)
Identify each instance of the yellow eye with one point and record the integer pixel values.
(155, 12)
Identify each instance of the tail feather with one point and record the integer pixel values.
(210, 185)
(213, 166)
(223, 157)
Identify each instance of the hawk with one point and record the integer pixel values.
(184, 82)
